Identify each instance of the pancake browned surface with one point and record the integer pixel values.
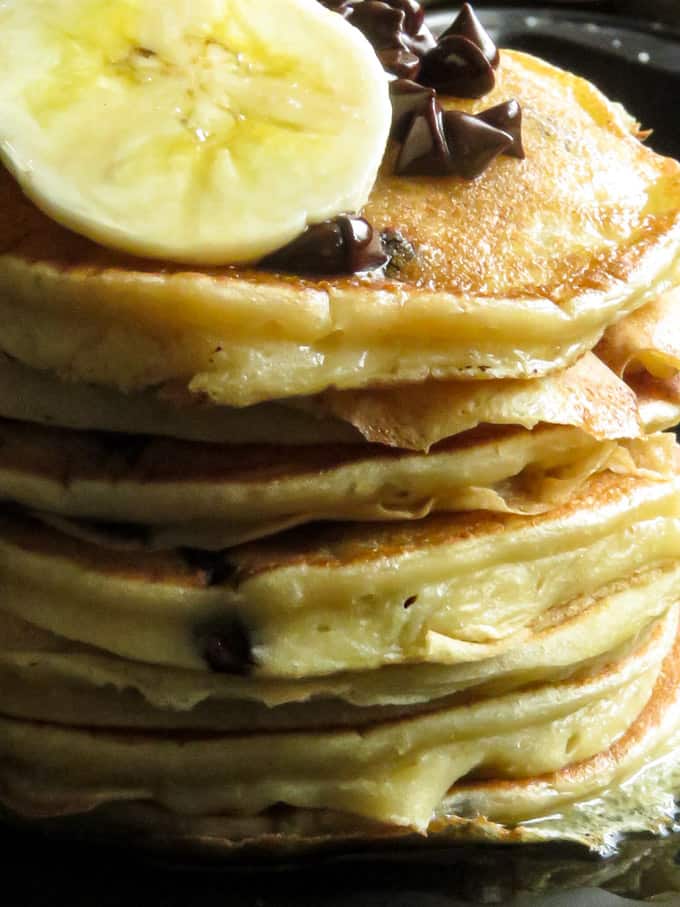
(444, 589)
(290, 562)
(515, 274)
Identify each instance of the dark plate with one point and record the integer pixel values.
(638, 63)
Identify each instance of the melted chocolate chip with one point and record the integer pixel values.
(424, 151)
(216, 566)
(458, 67)
(345, 245)
(472, 143)
(508, 117)
(227, 647)
(467, 25)
(363, 246)
(408, 100)
(401, 63)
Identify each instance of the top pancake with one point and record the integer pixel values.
(515, 274)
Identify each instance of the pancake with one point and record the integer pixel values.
(445, 589)
(646, 341)
(644, 349)
(659, 400)
(36, 396)
(151, 493)
(515, 274)
(586, 396)
(569, 737)
(44, 677)
(589, 395)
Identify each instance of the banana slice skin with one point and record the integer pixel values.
(200, 131)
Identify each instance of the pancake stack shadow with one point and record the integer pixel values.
(289, 563)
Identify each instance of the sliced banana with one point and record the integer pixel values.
(199, 131)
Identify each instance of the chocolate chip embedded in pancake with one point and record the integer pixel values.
(329, 598)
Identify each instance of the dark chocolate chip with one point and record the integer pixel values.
(363, 245)
(216, 566)
(227, 647)
(457, 67)
(414, 14)
(472, 143)
(391, 24)
(381, 24)
(424, 151)
(508, 117)
(467, 25)
(420, 42)
(345, 245)
(408, 99)
(319, 250)
(399, 62)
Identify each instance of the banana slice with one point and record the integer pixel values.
(200, 131)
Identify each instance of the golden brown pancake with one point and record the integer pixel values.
(548, 745)
(515, 274)
(646, 341)
(644, 349)
(587, 395)
(169, 493)
(48, 678)
(446, 589)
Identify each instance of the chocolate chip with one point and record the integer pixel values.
(457, 67)
(401, 63)
(345, 245)
(408, 99)
(467, 25)
(380, 23)
(319, 250)
(420, 43)
(227, 647)
(414, 14)
(425, 152)
(216, 566)
(508, 117)
(391, 25)
(472, 143)
(363, 246)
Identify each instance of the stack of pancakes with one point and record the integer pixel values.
(287, 561)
